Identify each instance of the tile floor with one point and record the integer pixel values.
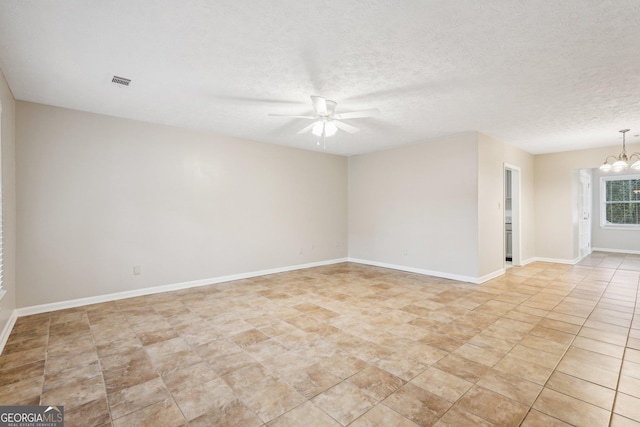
(544, 345)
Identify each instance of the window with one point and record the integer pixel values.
(620, 201)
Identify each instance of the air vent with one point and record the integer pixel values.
(120, 81)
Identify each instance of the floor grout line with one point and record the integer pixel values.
(569, 346)
(624, 352)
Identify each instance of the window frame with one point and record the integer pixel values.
(603, 202)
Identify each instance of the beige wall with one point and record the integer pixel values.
(7, 138)
(490, 205)
(554, 206)
(492, 157)
(555, 189)
(525, 161)
(417, 206)
(99, 195)
(437, 206)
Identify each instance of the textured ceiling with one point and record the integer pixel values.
(542, 75)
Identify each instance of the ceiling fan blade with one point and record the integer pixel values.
(345, 127)
(297, 117)
(331, 107)
(357, 114)
(320, 104)
(307, 129)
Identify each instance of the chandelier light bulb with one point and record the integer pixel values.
(619, 166)
(328, 126)
(330, 129)
(317, 128)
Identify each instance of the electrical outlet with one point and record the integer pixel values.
(136, 270)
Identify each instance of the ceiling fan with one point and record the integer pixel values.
(325, 122)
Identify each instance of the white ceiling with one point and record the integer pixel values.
(543, 75)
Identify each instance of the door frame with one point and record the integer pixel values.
(584, 227)
(516, 214)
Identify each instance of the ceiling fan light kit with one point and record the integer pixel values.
(325, 122)
(623, 161)
(324, 128)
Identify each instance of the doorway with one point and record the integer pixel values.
(512, 250)
(584, 212)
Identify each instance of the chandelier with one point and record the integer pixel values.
(623, 161)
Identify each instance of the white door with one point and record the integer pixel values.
(585, 213)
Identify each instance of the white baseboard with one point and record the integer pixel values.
(458, 277)
(490, 276)
(559, 260)
(617, 251)
(4, 336)
(551, 260)
(43, 308)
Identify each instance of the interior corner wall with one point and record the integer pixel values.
(492, 156)
(491, 230)
(98, 195)
(417, 206)
(7, 155)
(555, 206)
(525, 162)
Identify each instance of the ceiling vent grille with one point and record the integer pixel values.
(120, 81)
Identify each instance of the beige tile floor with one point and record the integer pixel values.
(544, 345)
